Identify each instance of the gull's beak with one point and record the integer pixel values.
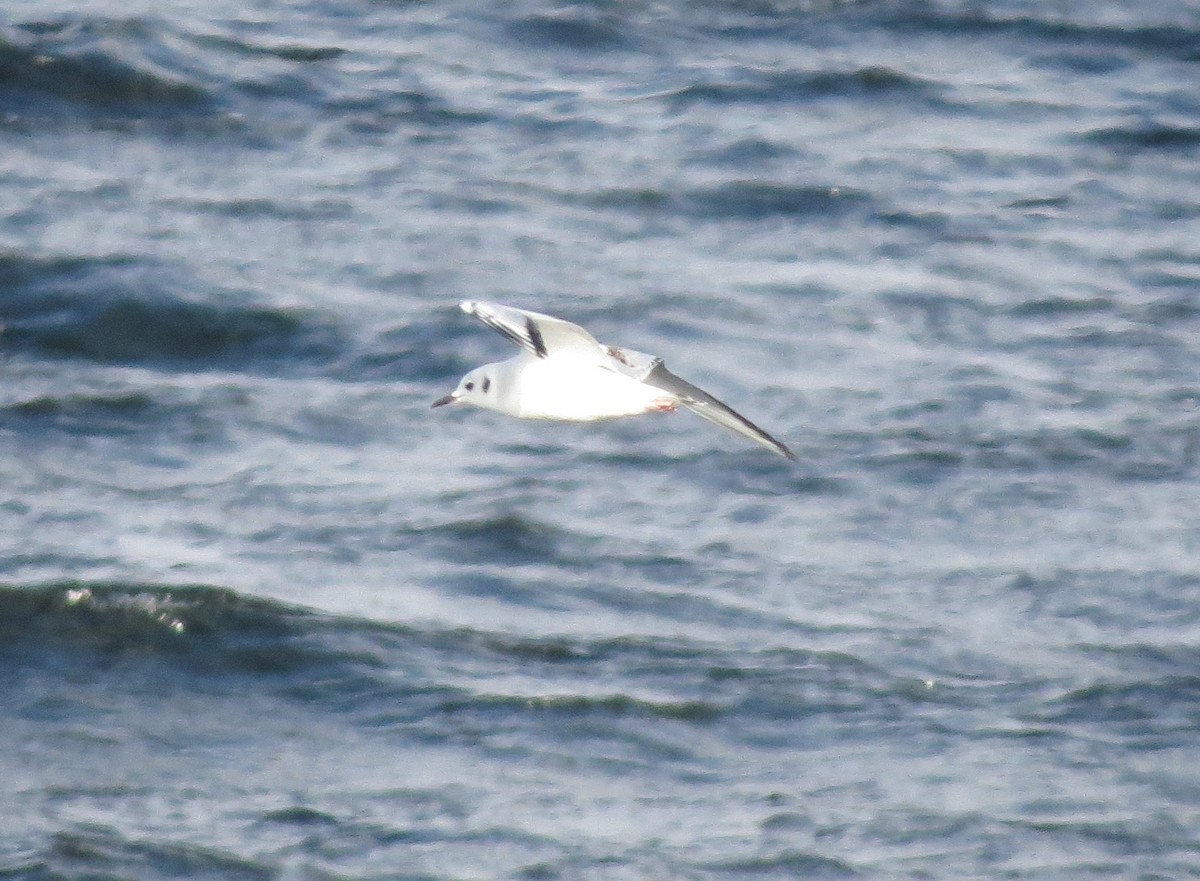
(441, 402)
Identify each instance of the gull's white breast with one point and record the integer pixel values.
(579, 390)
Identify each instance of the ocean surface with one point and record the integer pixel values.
(265, 615)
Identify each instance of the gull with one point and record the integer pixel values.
(563, 373)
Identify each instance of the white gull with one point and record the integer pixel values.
(563, 373)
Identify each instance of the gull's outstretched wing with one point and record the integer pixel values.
(705, 405)
(540, 334)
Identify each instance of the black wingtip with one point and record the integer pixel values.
(535, 337)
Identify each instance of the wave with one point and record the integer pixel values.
(1168, 704)
(121, 414)
(384, 114)
(92, 850)
(109, 67)
(1144, 137)
(284, 51)
(770, 87)
(1169, 40)
(1135, 453)
(122, 310)
(752, 200)
(741, 200)
(509, 539)
(577, 706)
(568, 29)
(90, 620)
(220, 642)
(1141, 714)
(787, 864)
(145, 73)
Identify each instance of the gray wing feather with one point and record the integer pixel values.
(706, 406)
(537, 333)
(637, 365)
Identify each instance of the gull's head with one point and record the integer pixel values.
(478, 387)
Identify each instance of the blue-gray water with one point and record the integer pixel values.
(264, 615)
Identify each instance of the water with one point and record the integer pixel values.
(265, 615)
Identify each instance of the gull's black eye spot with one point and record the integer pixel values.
(470, 386)
(487, 384)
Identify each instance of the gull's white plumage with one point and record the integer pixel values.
(562, 372)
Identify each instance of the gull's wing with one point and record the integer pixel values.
(540, 334)
(699, 401)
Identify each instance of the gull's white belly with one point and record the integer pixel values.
(562, 388)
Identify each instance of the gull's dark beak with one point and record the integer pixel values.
(441, 402)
